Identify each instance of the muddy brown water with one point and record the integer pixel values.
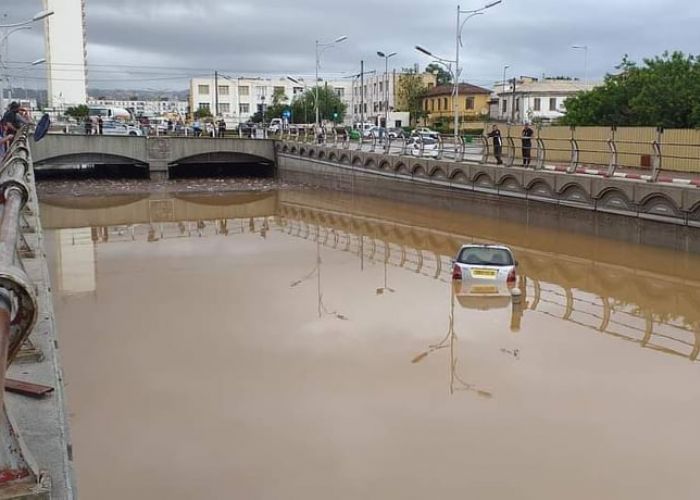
(306, 344)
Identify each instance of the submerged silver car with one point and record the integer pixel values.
(485, 268)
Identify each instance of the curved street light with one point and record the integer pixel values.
(37, 17)
(322, 46)
(386, 58)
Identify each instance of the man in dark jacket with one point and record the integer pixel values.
(527, 144)
(495, 134)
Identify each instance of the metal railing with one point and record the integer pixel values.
(636, 153)
(18, 304)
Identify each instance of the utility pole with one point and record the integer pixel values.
(512, 104)
(216, 94)
(362, 96)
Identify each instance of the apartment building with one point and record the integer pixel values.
(239, 98)
(534, 99)
(144, 108)
(378, 95)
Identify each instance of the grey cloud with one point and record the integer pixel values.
(277, 36)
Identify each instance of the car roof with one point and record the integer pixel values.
(485, 245)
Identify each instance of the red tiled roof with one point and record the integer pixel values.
(464, 89)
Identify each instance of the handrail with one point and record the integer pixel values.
(18, 304)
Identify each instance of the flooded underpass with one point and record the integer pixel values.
(310, 344)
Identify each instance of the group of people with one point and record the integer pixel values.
(525, 137)
(94, 125)
(211, 129)
(13, 119)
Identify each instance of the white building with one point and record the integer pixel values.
(65, 53)
(240, 98)
(534, 99)
(144, 108)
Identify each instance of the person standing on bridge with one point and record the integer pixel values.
(495, 134)
(100, 125)
(527, 144)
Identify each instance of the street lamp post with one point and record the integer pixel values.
(503, 88)
(322, 47)
(17, 27)
(386, 84)
(585, 61)
(22, 72)
(458, 43)
(447, 63)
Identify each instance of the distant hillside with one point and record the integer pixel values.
(138, 94)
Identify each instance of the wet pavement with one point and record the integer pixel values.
(307, 344)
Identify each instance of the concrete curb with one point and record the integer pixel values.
(621, 175)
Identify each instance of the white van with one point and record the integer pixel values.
(109, 113)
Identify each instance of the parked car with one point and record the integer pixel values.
(275, 125)
(373, 132)
(426, 131)
(118, 128)
(423, 146)
(485, 265)
(396, 133)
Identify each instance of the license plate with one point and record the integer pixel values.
(484, 273)
(486, 290)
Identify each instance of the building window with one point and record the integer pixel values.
(504, 105)
(340, 92)
(244, 90)
(223, 89)
(425, 105)
(552, 103)
(439, 104)
(203, 89)
(204, 105)
(381, 86)
(444, 103)
(538, 104)
(244, 108)
(469, 103)
(517, 104)
(280, 90)
(224, 107)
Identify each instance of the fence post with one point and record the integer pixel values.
(541, 151)
(441, 146)
(485, 149)
(510, 159)
(658, 158)
(575, 152)
(613, 152)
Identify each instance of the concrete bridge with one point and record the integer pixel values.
(157, 154)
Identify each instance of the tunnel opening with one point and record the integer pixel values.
(259, 169)
(82, 171)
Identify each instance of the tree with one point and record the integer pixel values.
(410, 92)
(79, 112)
(275, 108)
(202, 113)
(443, 76)
(330, 107)
(664, 91)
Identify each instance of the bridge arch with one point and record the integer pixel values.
(331, 156)
(508, 182)
(384, 165)
(483, 179)
(344, 158)
(401, 168)
(357, 161)
(459, 176)
(659, 204)
(573, 191)
(539, 187)
(438, 172)
(418, 170)
(89, 157)
(614, 199)
(321, 155)
(370, 163)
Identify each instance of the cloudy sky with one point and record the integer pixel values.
(158, 44)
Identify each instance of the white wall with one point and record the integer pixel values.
(65, 53)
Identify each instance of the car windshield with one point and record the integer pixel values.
(485, 256)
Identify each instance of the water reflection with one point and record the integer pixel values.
(653, 310)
